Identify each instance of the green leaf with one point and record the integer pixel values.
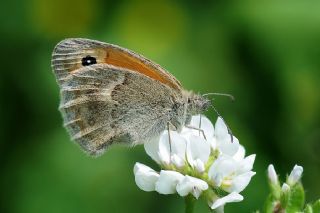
(308, 209)
(296, 199)
(316, 206)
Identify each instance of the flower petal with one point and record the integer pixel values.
(232, 197)
(152, 149)
(177, 161)
(168, 181)
(221, 130)
(197, 148)
(239, 156)
(227, 146)
(191, 185)
(178, 144)
(240, 182)
(246, 164)
(145, 177)
(213, 142)
(164, 148)
(199, 165)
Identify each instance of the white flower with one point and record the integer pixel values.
(194, 161)
(272, 175)
(232, 175)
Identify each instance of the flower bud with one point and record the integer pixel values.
(295, 175)
(285, 188)
(272, 175)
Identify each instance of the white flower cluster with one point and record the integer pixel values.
(208, 164)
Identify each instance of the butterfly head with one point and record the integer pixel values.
(197, 104)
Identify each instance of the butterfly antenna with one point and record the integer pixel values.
(229, 130)
(220, 94)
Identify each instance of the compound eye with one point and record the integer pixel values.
(88, 60)
(189, 100)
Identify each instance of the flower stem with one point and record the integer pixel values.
(190, 201)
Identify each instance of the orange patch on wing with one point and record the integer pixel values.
(125, 60)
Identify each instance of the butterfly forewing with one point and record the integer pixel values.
(68, 54)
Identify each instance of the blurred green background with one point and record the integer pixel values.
(265, 53)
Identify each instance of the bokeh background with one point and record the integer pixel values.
(265, 53)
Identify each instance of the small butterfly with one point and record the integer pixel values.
(111, 95)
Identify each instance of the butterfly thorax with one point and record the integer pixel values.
(196, 104)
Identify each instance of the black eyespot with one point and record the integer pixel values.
(88, 60)
(189, 101)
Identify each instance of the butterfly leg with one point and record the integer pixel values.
(200, 131)
(169, 136)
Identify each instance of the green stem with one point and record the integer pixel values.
(190, 201)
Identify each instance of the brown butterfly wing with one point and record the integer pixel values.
(102, 104)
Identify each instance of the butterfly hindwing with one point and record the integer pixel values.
(102, 105)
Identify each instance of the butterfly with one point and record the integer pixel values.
(112, 95)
